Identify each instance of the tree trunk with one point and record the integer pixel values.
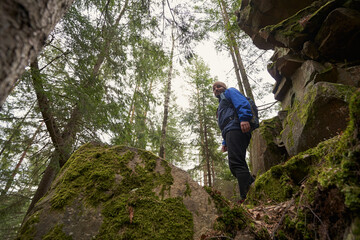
(47, 114)
(205, 175)
(206, 149)
(167, 100)
(11, 179)
(236, 67)
(24, 27)
(233, 45)
(63, 142)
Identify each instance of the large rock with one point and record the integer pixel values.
(294, 31)
(120, 193)
(320, 115)
(339, 35)
(303, 77)
(267, 149)
(256, 14)
(349, 76)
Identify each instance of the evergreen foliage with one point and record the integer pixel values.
(101, 77)
(201, 118)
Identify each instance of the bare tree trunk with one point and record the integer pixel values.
(205, 175)
(206, 149)
(213, 171)
(236, 67)
(131, 114)
(167, 100)
(24, 27)
(233, 45)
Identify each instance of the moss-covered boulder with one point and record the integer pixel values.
(119, 192)
(267, 148)
(321, 114)
(323, 183)
(257, 14)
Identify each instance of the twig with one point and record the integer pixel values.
(282, 218)
(272, 104)
(318, 218)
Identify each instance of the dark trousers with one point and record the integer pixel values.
(237, 143)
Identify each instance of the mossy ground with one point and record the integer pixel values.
(233, 218)
(121, 181)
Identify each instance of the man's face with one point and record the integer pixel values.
(218, 89)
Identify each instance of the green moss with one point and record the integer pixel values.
(332, 164)
(296, 24)
(188, 190)
(131, 194)
(273, 185)
(56, 233)
(305, 111)
(146, 218)
(267, 128)
(91, 171)
(296, 228)
(28, 231)
(219, 200)
(232, 219)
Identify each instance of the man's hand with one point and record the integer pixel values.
(245, 127)
(224, 148)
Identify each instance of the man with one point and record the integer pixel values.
(234, 115)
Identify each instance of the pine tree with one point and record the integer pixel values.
(201, 118)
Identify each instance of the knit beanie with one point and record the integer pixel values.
(220, 83)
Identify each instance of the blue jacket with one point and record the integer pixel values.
(232, 110)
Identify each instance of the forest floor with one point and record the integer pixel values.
(270, 216)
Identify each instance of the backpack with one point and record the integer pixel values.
(254, 121)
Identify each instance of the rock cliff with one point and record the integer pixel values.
(308, 155)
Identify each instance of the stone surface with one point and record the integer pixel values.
(339, 35)
(256, 14)
(320, 115)
(349, 76)
(113, 192)
(300, 27)
(267, 149)
(281, 88)
(304, 76)
(228, 189)
(310, 50)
